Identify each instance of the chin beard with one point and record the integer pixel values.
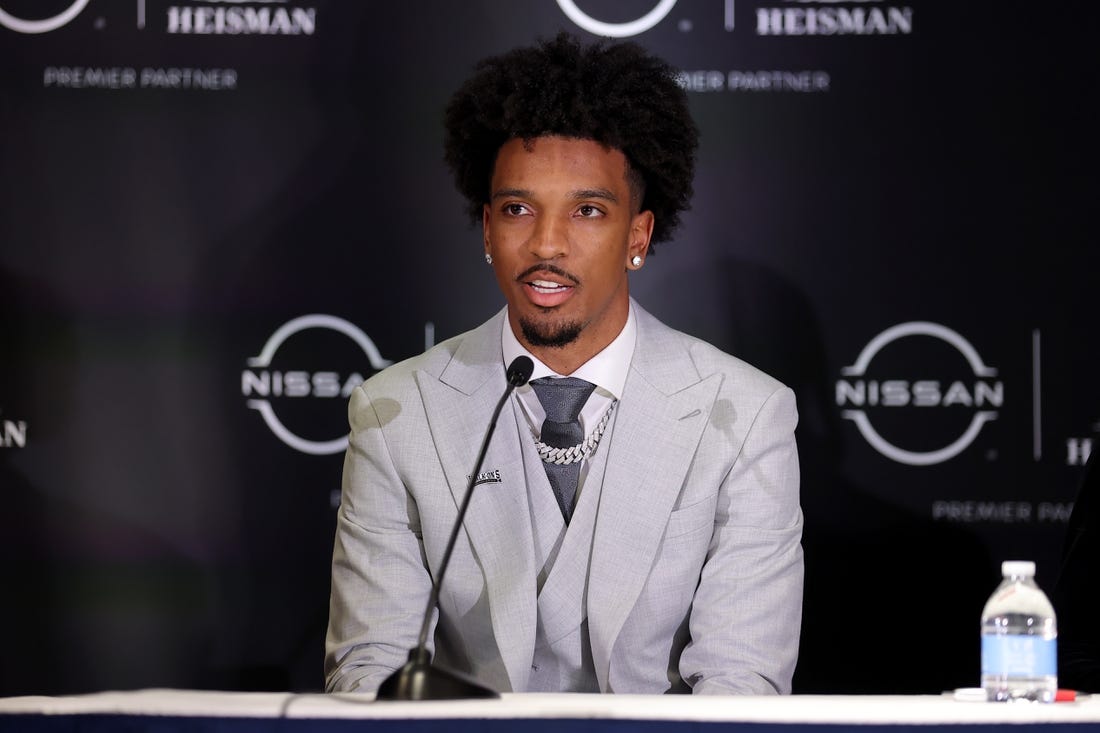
(550, 335)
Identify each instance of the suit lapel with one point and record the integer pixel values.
(664, 409)
(459, 405)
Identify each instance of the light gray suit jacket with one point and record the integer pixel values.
(695, 580)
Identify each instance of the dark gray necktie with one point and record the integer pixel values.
(563, 400)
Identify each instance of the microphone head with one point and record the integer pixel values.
(519, 371)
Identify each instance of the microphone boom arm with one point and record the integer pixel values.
(417, 679)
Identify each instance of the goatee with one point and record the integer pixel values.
(550, 335)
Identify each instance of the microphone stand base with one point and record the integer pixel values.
(418, 680)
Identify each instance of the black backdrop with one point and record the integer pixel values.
(182, 180)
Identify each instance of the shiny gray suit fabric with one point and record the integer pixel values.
(696, 569)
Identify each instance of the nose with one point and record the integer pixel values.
(548, 239)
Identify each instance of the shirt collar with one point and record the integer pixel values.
(607, 369)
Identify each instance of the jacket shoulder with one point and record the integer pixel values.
(433, 363)
(697, 359)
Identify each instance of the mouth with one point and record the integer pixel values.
(547, 286)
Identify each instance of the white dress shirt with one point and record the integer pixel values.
(607, 370)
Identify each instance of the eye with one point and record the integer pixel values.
(515, 209)
(589, 211)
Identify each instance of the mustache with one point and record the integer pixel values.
(547, 267)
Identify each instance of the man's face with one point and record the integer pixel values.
(562, 227)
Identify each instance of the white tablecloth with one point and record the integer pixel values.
(799, 709)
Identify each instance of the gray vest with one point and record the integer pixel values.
(563, 654)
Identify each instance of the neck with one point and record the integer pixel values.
(562, 360)
(594, 335)
(567, 359)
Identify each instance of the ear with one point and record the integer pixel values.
(641, 230)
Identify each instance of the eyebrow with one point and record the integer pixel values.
(578, 195)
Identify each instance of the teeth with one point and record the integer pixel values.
(546, 285)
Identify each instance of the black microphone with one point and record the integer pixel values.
(417, 679)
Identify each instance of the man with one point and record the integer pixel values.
(658, 548)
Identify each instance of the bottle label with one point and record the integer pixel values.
(1018, 655)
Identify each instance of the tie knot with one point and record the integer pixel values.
(563, 399)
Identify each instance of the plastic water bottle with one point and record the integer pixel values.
(1019, 639)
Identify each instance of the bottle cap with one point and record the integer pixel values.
(1010, 568)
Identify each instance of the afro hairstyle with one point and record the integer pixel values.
(618, 95)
